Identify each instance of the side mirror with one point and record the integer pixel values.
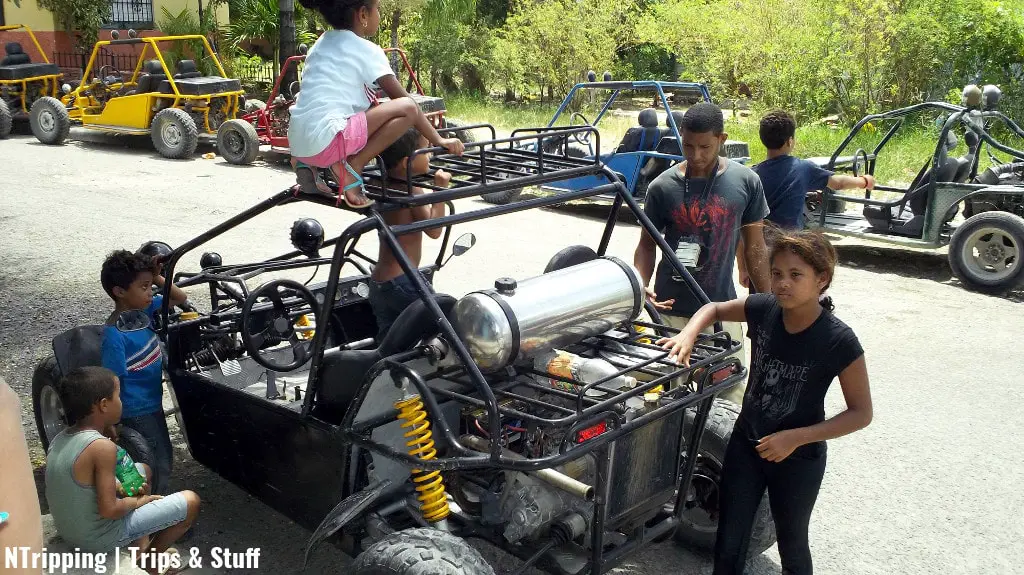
(463, 244)
(65, 88)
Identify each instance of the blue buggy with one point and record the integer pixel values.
(645, 151)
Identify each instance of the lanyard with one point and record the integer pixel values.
(707, 185)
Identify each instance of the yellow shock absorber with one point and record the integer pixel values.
(429, 484)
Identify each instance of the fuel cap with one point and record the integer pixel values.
(505, 286)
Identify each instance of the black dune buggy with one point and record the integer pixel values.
(985, 249)
(451, 426)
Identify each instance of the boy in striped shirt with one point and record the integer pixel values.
(131, 349)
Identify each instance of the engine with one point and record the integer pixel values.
(528, 504)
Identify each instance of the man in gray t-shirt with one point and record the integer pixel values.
(704, 206)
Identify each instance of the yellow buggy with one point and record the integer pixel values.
(23, 81)
(174, 108)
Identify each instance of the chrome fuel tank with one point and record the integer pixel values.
(515, 321)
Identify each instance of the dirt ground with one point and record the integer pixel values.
(932, 486)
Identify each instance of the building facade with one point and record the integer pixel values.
(140, 15)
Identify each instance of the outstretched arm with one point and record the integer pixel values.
(843, 182)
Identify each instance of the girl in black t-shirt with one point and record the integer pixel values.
(778, 443)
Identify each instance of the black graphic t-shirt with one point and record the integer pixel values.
(791, 372)
(704, 228)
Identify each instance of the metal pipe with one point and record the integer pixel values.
(555, 478)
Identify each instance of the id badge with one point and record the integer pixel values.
(688, 254)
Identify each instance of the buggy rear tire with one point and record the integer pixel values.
(998, 238)
(465, 136)
(423, 551)
(46, 403)
(49, 121)
(174, 134)
(6, 120)
(710, 458)
(237, 142)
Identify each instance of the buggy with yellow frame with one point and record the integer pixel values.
(23, 81)
(175, 109)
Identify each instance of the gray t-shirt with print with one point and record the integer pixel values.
(703, 230)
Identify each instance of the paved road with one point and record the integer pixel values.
(933, 486)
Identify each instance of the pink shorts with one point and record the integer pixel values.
(346, 143)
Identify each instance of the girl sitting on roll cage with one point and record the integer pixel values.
(779, 438)
(336, 121)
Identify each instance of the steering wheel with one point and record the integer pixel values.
(111, 71)
(580, 137)
(859, 166)
(279, 322)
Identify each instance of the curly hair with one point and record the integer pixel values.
(814, 248)
(340, 14)
(777, 126)
(703, 117)
(84, 387)
(121, 268)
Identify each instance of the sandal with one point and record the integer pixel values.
(358, 185)
(310, 181)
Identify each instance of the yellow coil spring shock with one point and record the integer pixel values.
(429, 484)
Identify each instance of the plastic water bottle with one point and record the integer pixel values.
(126, 472)
(583, 370)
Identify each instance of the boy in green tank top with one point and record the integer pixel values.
(81, 486)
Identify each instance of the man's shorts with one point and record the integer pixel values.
(153, 517)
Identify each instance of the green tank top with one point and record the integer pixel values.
(74, 506)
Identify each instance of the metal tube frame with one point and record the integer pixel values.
(357, 434)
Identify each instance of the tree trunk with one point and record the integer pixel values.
(396, 18)
(288, 48)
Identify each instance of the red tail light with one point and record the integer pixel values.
(591, 432)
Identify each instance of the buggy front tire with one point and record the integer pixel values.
(699, 526)
(237, 142)
(49, 121)
(46, 403)
(423, 551)
(985, 252)
(6, 120)
(174, 134)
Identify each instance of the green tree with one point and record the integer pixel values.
(254, 20)
(559, 40)
(80, 18)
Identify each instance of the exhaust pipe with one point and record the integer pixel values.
(550, 476)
